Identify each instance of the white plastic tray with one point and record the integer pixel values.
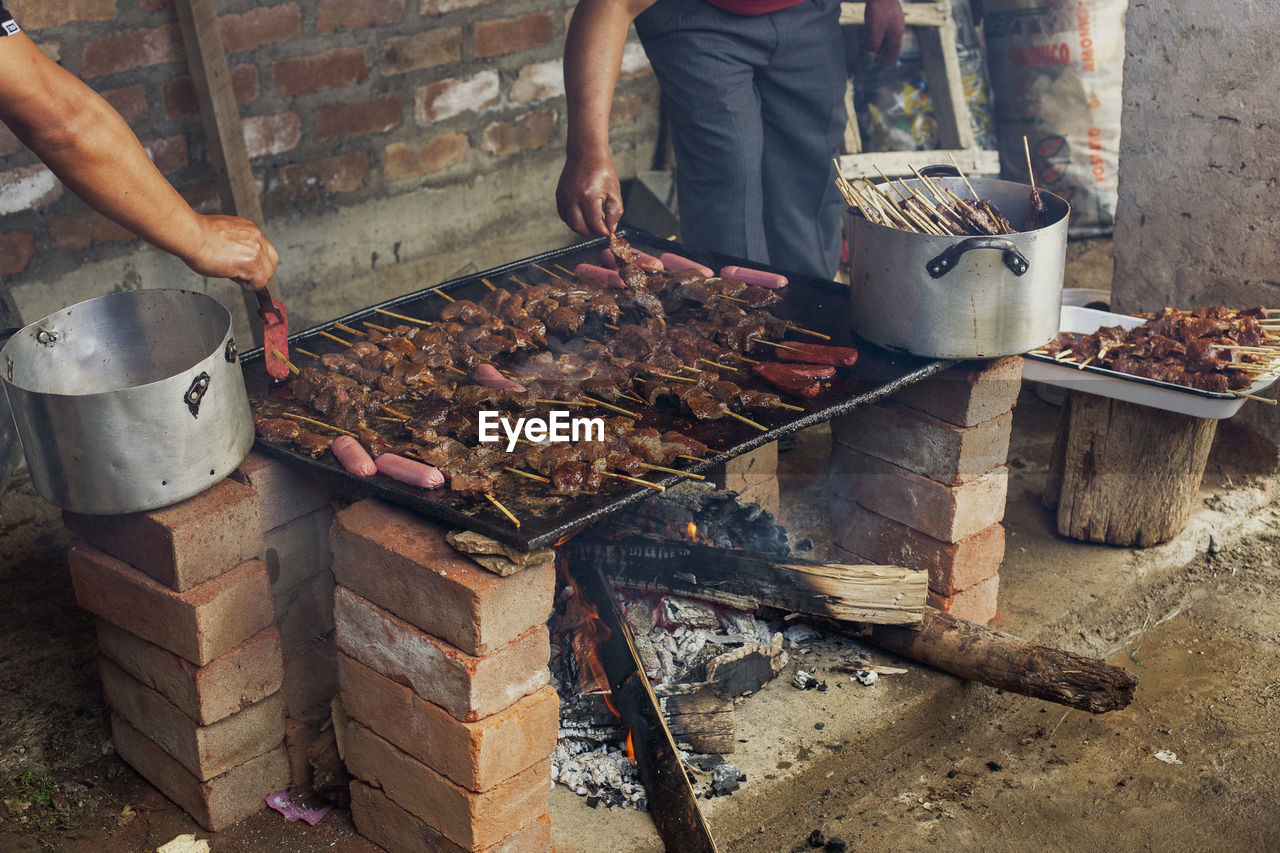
(1122, 386)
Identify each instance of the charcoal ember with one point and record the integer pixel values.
(749, 668)
(804, 680)
(817, 838)
(835, 845)
(639, 616)
(726, 779)
(649, 658)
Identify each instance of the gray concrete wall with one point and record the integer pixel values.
(1200, 167)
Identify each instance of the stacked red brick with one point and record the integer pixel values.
(191, 663)
(296, 516)
(443, 670)
(920, 481)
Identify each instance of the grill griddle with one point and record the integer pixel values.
(813, 303)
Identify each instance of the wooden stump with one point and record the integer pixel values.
(1125, 474)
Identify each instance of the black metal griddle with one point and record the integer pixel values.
(544, 519)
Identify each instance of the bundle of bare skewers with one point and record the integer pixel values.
(930, 208)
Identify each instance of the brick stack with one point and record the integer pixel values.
(443, 670)
(920, 481)
(191, 664)
(296, 516)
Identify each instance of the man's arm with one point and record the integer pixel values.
(884, 28)
(92, 150)
(589, 196)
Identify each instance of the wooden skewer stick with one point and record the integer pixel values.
(488, 283)
(538, 477)
(307, 353)
(517, 280)
(344, 327)
(972, 191)
(1266, 400)
(743, 358)
(376, 327)
(392, 411)
(793, 327)
(287, 363)
(1031, 172)
(782, 405)
(440, 292)
(502, 509)
(404, 317)
(548, 272)
(637, 480)
(568, 271)
(745, 420)
(602, 404)
(336, 338)
(776, 344)
(317, 423)
(672, 471)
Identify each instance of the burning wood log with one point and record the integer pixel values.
(672, 802)
(874, 594)
(1009, 663)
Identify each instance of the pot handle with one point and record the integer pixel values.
(947, 260)
(940, 170)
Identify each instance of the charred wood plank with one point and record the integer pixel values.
(701, 715)
(672, 802)
(888, 595)
(1010, 663)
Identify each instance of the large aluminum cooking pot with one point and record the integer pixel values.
(128, 402)
(960, 297)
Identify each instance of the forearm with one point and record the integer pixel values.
(95, 153)
(592, 62)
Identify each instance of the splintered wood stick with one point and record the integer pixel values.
(404, 317)
(336, 338)
(287, 363)
(317, 423)
(502, 509)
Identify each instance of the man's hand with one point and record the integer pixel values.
(234, 248)
(884, 26)
(589, 196)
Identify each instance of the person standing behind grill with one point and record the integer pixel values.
(92, 150)
(754, 90)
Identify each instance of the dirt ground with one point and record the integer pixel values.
(1193, 764)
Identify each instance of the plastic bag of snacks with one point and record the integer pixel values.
(1056, 69)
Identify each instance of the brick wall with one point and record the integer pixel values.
(347, 105)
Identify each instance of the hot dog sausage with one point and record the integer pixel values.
(771, 280)
(488, 376)
(409, 471)
(353, 457)
(594, 276)
(818, 354)
(677, 263)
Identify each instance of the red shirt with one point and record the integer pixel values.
(753, 7)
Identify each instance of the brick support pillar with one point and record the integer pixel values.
(754, 476)
(443, 670)
(191, 667)
(920, 481)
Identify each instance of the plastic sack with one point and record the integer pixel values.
(1056, 70)
(894, 113)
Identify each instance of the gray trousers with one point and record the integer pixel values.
(756, 105)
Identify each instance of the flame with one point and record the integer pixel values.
(631, 749)
(693, 532)
(589, 635)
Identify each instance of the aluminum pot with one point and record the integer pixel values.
(128, 402)
(960, 297)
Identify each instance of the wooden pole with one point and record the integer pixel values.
(1009, 663)
(224, 133)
